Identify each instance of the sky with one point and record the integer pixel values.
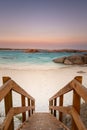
(53, 24)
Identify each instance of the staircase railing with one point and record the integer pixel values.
(79, 91)
(6, 93)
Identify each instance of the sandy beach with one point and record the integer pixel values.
(42, 84)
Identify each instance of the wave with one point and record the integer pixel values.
(5, 57)
(23, 66)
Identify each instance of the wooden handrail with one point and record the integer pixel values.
(5, 89)
(11, 85)
(79, 91)
(10, 111)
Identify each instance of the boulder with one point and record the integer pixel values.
(67, 62)
(31, 51)
(74, 59)
(85, 59)
(59, 60)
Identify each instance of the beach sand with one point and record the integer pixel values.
(42, 84)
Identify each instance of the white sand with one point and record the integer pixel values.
(42, 84)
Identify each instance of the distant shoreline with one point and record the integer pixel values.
(44, 50)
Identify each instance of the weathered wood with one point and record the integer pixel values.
(18, 110)
(66, 110)
(77, 120)
(63, 91)
(60, 104)
(73, 113)
(55, 103)
(8, 120)
(43, 121)
(32, 104)
(11, 85)
(29, 112)
(76, 102)
(21, 91)
(23, 105)
(5, 79)
(13, 112)
(51, 104)
(81, 90)
(79, 79)
(4, 89)
(8, 103)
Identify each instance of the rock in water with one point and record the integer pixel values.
(70, 60)
(59, 60)
(76, 59)
(67, 62)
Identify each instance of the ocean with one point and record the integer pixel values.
(21, 60)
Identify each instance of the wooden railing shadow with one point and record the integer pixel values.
(79, 91)
(6, 93)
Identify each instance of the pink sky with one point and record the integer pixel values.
(43, 24)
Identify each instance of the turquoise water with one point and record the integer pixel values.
(22, 60)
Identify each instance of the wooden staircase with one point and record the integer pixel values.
(43, 121)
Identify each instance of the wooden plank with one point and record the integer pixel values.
(66, 110)
(76, 102)
(32, 104)
(81, 90)
(73, 113)
(55, 103)
(76, 105)
(62, 91)
(29, 112)
(79, 79)
(21, 91)
(10, 84)
(18, 110)
(4, 89)
(43, 121)
(23, 104)
(8, 103)
(5, 79)
(60, 104)
(77, 119)
(51, 104)
(70, 86)
(8, 120)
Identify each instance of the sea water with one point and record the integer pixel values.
(21, 60)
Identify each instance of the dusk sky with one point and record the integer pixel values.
(53, 24)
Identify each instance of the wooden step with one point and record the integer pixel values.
(42, 121)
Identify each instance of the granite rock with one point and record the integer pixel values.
(74, 59)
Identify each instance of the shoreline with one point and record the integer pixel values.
(36, 50)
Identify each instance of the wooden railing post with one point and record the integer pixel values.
(8, 103)
(76, 102)
(55, 102)
(60, 104)
(29, 112)
(32, 104)
(23, 104)
(51, 104)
